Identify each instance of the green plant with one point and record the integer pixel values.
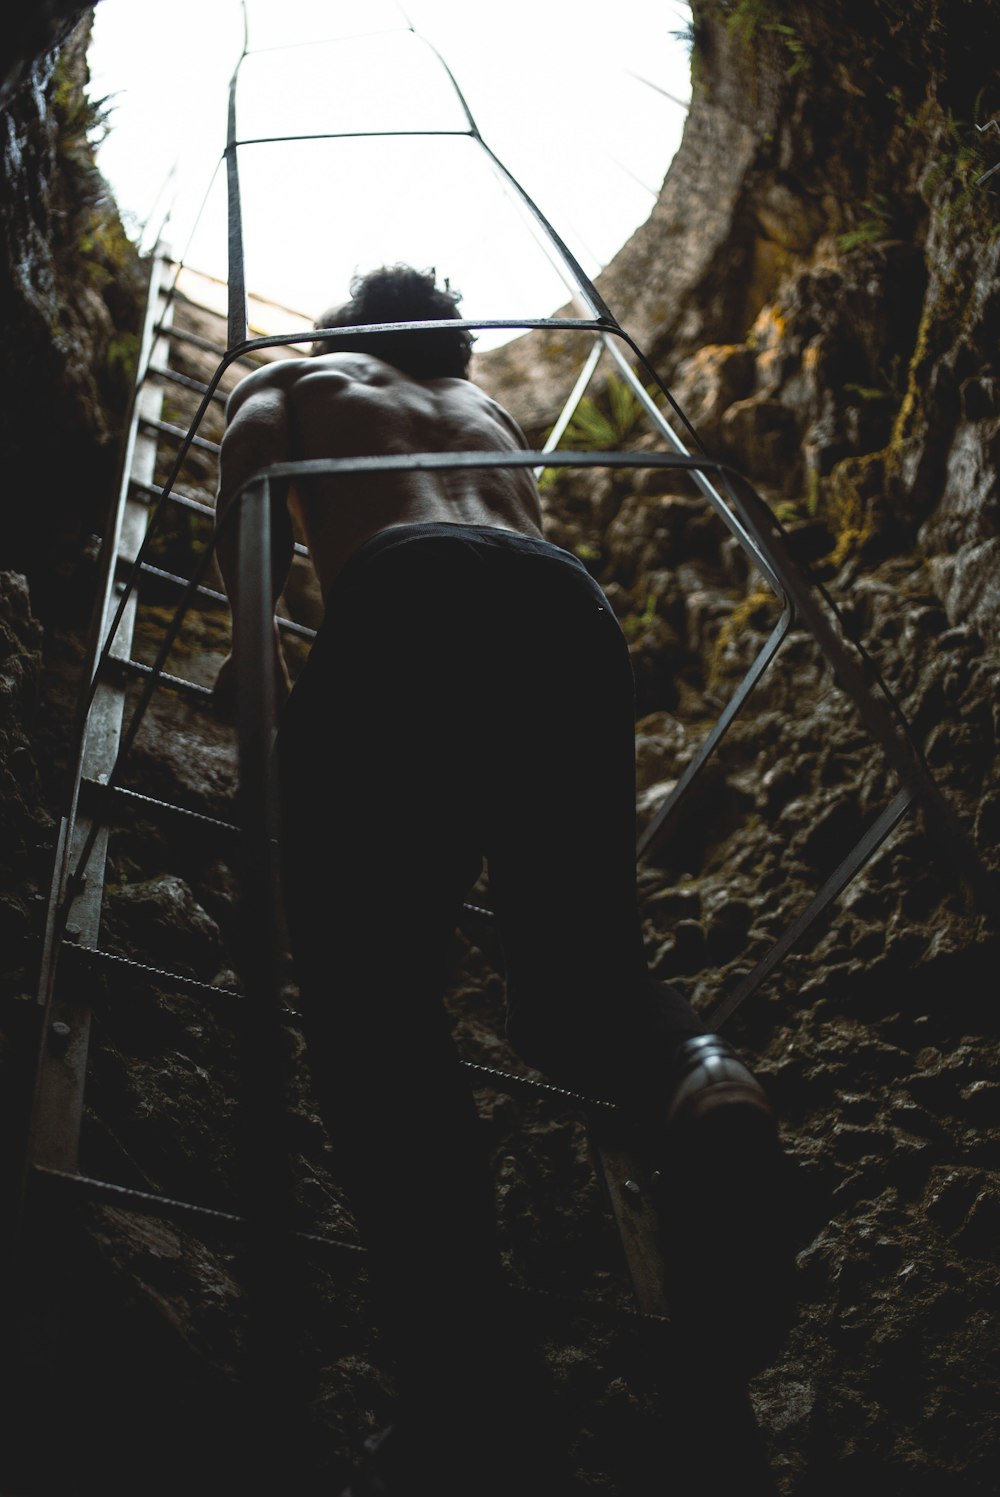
(967, 162)
(812, 493)
(875, 227)
(747, 16)
(633, 624)
(865, 392)
(685, 35)
(123, 351)
(597, 428)
(801, 57)
(757, 611)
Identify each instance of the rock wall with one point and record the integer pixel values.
(70, 296)
(818, 279)
(819, 283)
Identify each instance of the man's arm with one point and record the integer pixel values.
(257, 435)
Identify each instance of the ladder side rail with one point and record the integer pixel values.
(111, 545)
(237, 290)
(256, 722)
(579, 285)
(151, 681)
(127, 586)
(57, 1110)
(661, 824)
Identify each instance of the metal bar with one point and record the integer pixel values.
(266, 1181)
(886, 725)
(430, 462)
(184, 381)
(95, 957)
(837, 881)
(278, 140)
(152, 492)
(212, 595)
(113, 666)
(731, 521)
(506, 1081)
(661, 822)
(58, 1107)
(625, 1177)
(577, 393)
(178, 433)
(150, 683)
(237, 326)
(130, 1199)
(96, 794)
(183, 335)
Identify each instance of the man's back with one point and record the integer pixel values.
(353, 404)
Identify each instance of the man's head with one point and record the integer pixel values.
(398, 293)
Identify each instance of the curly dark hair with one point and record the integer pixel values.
(398, 293)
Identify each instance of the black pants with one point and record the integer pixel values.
(470, 694)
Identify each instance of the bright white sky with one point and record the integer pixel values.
(570, 94)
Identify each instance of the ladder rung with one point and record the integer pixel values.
(159, 574)
(93, 955)
(174, 377)
(157, 1205)
(178, 434)
(150, 492)
(180, 335)
(181, 298)
(114, 665)
(94, 792)
(287, 626)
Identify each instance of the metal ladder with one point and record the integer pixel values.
(72, 951)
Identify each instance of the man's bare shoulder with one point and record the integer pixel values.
(283, 375)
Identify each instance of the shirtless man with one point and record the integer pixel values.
(470, 695)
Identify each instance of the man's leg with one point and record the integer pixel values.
(377, 754)
(582, 1006)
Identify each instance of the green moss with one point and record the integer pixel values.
(633, 624)
(758, 611)
(967, 154)
(812, 493)
(871, 230)
(604, 426)
(851, 498)
(746, 17)
(800, 58)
